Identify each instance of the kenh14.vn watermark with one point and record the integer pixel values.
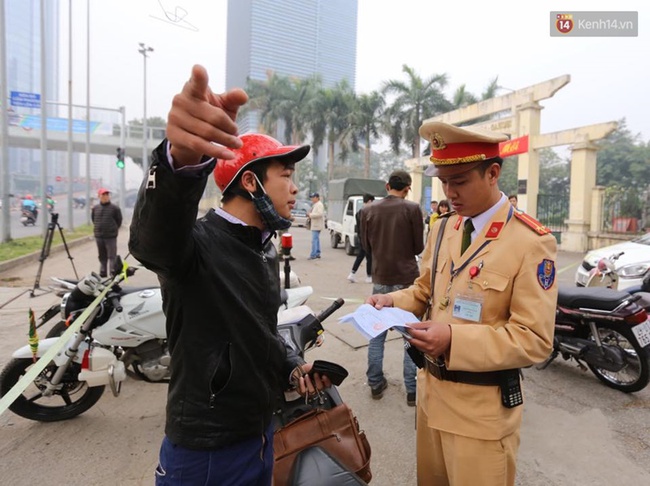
(594, 24)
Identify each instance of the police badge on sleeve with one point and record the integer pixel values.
(546, 273)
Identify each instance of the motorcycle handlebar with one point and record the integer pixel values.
(337, 304)
(115, 302)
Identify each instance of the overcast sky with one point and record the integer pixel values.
(610, 77)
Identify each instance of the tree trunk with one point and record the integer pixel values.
(416, 149)
(330, 161)
(366, 165)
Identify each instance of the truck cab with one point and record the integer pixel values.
(345, 201)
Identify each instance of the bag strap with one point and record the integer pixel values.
(434, 266)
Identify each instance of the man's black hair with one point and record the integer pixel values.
(486, 164)
(368, 197)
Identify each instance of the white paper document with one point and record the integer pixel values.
(372, 322)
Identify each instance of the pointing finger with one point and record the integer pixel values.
(197, 86)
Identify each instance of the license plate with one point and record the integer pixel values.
(642, 333)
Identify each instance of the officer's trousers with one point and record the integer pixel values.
(445, 459)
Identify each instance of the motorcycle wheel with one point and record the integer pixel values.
(73, 399)
(57, 330)
(636, 374)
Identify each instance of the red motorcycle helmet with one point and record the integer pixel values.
(256, 147)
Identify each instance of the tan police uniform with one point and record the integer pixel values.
(499, 298)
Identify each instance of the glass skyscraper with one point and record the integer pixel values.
(290, 38)
(23, 40)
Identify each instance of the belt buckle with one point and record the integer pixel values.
(435, 367)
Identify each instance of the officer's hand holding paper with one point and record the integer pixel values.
(371, 322)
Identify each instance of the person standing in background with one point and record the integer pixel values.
(317, 224)
(392, 232)
(107, 219)
(367, 199)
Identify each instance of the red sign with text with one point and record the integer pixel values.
(513, 147)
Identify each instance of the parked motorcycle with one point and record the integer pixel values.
(608, 331)
(127, 330)
(604, 274)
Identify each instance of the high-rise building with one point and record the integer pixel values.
(290, 38)
(23, 44)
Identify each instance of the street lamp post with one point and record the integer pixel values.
(144, 50)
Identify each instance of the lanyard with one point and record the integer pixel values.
(444, 302)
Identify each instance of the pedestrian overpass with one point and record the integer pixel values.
(99, 144)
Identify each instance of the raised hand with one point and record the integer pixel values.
(203, 123)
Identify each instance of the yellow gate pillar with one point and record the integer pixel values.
(583, 181)
(528, 123)
(416, 168)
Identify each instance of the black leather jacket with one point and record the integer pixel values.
(221, 293)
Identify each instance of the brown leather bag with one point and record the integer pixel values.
(335, 430)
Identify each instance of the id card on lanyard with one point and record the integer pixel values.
(468, 306)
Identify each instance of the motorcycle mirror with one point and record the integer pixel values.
(602, 264)
(117, 266)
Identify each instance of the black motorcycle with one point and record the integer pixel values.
(606, 330)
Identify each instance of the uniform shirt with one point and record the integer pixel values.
(518, 295)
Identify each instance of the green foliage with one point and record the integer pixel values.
(623, 160)
(412, 102)
(31, 244)
(553, 173)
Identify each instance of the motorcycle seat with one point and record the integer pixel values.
(315, 467)
(591, 298)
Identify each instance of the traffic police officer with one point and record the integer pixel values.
(491, 312)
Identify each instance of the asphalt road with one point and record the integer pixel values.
(576, 431)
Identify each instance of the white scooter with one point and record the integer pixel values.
(126, 329)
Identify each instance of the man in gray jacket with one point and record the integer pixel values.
(392, 232)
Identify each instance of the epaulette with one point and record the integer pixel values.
(531, 222)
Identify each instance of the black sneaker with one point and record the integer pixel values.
(378, 391)
(410, 399)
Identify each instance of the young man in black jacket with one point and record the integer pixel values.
(221, 287)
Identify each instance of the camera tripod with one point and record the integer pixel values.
(45, 251)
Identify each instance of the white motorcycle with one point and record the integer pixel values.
(126, 329)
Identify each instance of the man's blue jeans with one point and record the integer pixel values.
(375, 372)
(246, 463)
(315, 244)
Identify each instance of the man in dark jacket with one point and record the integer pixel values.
(107, 219)
(392, 232)
(221, 287)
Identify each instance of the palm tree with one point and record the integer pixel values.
(414, 102)
(462, 98)
(330, 115)
(366, 120)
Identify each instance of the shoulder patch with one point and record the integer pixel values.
(546, 273)
(532, 223)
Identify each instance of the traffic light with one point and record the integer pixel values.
(120, 158)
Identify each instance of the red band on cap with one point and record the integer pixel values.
(471, 151)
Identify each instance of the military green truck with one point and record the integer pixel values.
(345, 199)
